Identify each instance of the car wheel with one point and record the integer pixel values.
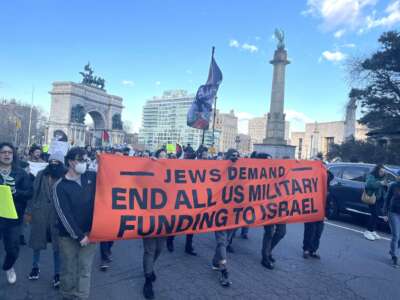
(332, 210)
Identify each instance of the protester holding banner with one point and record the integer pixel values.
(223, 239)
(188, 154)
(273, 234)
(21, 188)
(152, 248)
(41, 216)
(74, 200)
(313, 231)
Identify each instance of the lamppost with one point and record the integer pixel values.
(237, 141)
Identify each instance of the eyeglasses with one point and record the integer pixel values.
(6, 152)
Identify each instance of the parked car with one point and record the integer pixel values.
(348, 185)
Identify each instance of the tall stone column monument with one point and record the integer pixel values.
(275, 143)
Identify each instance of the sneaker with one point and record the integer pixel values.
(153, 277)
(271, 259)
(245, 236)
(190, 251)
(315, 255)
(369, 235)
(170, 245)
(395, 262)
(34, 274)
(224, 279)
(148, 292)
(56, 281)
(215, 267)
(229, 248)
(104, 266)
(376, 235)
(306, 254)
(11, 276)
(267, 264)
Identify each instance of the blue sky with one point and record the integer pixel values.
(144, 47)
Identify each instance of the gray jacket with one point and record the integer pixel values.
(44, 217)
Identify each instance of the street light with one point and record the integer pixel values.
(237, 141)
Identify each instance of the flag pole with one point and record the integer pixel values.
(30, 118)
(215, 105)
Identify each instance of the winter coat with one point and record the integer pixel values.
(23, 192)
(373, 185)
(392, 200)
(44, 216)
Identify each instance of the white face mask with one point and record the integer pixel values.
(80, 168)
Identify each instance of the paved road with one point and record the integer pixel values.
(351, 268)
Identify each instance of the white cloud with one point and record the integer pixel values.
(350, 45)
(354, 15)
(392, 17)
(128, 82)
(257, 38)
(335, 56)
(234, 44)
(338, 34)
(158, 82)
(189, 72)
(250, 48)
(247, 47)
(337, 14)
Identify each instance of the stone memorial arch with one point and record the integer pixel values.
(70, 102)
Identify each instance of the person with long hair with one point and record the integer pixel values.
(374, 185)
(41, 215)
(21, 188)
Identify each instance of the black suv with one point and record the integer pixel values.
(348, 185)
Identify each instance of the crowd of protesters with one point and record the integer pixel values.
(58, 201)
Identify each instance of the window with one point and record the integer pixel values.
(355, 173)
(390, 178)
(336, 171)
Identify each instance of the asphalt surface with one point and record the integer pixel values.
(351, 268)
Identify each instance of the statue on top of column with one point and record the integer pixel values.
(280, 37)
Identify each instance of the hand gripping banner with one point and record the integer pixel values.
(140, 197)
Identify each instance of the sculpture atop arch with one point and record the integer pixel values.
(70, 102)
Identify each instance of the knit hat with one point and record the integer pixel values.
(58, 155)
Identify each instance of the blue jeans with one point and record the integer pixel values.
(56, 259)
(394, 222)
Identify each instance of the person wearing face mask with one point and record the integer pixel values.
(40, 214)
(73, 199)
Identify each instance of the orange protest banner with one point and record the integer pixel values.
(139, 197)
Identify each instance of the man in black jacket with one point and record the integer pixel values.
(74, 200)
(21, 188)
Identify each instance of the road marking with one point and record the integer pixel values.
(354, 230)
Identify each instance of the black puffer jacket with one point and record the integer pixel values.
(23, 193)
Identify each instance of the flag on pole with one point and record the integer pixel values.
(105, 136)
(200, 112)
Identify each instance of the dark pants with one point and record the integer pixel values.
(105, 250)
(11, 245)
(152, 248)
(272, 236)
(373, 219)
(312, 235)
(189, 241)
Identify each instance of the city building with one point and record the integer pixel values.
(164, 121)
(243, 143)
(319, 137)
(227, 124)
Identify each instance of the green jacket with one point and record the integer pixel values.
(373, 185)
